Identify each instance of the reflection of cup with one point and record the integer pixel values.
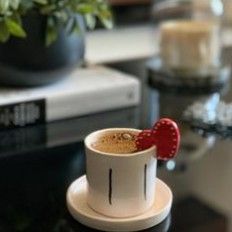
(120, 185)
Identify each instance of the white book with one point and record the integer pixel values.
(85, 91)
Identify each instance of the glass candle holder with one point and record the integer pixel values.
(190, 35)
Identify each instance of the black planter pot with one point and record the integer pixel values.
(28, 62)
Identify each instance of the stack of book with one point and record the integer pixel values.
(85, 91)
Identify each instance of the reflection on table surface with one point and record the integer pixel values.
(18, 141)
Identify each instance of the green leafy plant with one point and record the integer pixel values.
(58, 13)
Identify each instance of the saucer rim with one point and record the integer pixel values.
(79, 215)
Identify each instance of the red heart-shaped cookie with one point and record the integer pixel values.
(167, 138)
(165, 135)
(144, 140)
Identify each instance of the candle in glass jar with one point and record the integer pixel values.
(190, 46)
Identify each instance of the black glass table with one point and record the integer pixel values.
(38, 163)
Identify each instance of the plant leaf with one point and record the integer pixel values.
(90, 20)
(84, 8)
(76, 27)
(51, 32)
(108, 23)
(4, 6)
(47, 9)
(60, 13)
(105, 15)
(14, 4)
(42, 2)
(106, 19)
(17, 18)
(15, 28)
(4, 35)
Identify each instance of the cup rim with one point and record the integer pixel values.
(88, 138)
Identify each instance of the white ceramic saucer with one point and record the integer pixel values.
(79, 209)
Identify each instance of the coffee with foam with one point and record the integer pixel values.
(117, 142)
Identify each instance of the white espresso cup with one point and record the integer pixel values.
(120, 185)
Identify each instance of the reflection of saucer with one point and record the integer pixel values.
(77, 205)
